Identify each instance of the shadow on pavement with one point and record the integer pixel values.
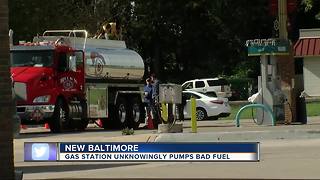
(208, 126)
(70, 167)
(39, 134)
(43, 134)
(34, 135)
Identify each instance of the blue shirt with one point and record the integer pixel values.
(148, 93)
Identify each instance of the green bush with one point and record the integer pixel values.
(241, 88)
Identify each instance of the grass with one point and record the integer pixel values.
(246, 114)
(313, 109)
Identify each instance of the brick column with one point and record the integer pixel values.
(6, 103)
(286, 72)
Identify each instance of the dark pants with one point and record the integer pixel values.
(180, 111)
(155, 108)
(148, 106)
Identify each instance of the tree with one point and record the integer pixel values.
(6, 135)
(312, 6)
(178, 40)
(308, 4)
(196, 38)
(34, 17)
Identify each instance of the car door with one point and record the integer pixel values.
(200, 86)
(213, 85)
(187, 107)
(186, 110)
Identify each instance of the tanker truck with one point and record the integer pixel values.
(66, 79)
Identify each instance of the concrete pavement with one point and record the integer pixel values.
(286, 152)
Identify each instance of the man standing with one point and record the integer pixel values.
(148, 91)
(155, 98)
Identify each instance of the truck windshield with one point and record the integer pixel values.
(31, 58)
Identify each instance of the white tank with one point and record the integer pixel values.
(113, 63)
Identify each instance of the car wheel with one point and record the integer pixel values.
(201, 114)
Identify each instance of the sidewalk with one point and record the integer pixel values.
(225, 130)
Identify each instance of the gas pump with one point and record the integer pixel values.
(170, 95)
(269, 83)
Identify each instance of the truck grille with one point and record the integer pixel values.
(20, 89)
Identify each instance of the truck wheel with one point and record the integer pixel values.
(60, 120)
(122, 112)
(138, 114)
(83, 123)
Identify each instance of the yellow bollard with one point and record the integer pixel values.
(193, 115)
(164, 112)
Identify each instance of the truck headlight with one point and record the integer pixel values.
(42, 99)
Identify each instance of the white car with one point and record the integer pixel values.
(220, 86)
(206, 105)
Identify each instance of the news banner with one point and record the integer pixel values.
(138, 152)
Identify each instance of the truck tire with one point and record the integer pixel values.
(138, 113)
(60, 121)
(113, 121)
(122, 112)
(83, 123)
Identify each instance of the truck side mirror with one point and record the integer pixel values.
(72, 63)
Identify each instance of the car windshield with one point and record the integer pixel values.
(31, 58)
(187, 85)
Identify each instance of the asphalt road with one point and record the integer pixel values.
(286, 152)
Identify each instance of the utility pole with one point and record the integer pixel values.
(285, 66)
(6, 103)
(282, 14)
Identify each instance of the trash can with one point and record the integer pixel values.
(301, 110)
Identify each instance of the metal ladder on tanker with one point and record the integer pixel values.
(78, 39)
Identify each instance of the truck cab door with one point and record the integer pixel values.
(70, 67)
(78, 68)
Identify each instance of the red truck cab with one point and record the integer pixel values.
(48, 77)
